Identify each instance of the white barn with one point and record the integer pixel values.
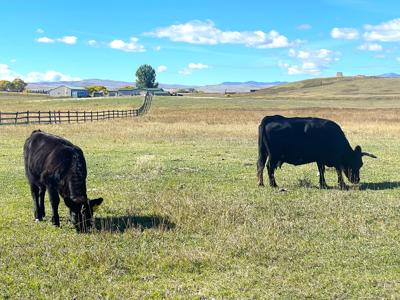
(68, 91)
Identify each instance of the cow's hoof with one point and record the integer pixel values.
(324, 187)
(38, 220)
(261, 184)
(344, 187)
(55, 222)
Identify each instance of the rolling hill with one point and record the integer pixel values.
(336, 87)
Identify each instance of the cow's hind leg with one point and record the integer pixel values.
(262, 158)
(321, 170)
(42, 192)
(35, 198)
(55, 201)
(271, 166)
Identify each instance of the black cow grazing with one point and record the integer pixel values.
(299, 141)
(54, 164)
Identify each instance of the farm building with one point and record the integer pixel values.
(128, 92)
(98, 94)
(156, 92)
(135, 91)
(68, 91)
(112, 93)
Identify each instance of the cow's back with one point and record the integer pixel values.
(47, 156)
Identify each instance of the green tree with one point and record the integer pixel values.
(96, 88)
(5, 85)
(18, 85)
(146, 77)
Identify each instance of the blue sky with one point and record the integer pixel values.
(199, 42)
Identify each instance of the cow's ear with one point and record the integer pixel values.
(94, 204)
(357, 149)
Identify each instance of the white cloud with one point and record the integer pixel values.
(45, 40)
(199, 32)
(39, 30)
(303, 54)
(157, 48)
(370, 47)
(308, 62)
(48, 76)
(344, 33)
(398, 59)
(69, 39)
(161, 69)
(193, 66)
(198, 66)
(384, 32)
(92, 43)
(8, 74)
(131, 46)
(13, 60)
(304, 27)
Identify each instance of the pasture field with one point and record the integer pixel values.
(183, 217)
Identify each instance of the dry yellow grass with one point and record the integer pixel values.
(183, 180)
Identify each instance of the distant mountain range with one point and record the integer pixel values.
(390, 75)
(110, 84)
(113, 84)
(228, 86)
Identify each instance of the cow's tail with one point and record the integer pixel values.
(262, 153)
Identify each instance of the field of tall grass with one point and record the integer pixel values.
(183, 217)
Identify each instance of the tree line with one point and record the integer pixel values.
(17, 85)
(145, 78)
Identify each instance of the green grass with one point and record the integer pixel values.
(183, 217)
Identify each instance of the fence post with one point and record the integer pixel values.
(27, 117)
(59, 117)
(69, 117)
(77, 117)
(39, 116)
(0, 118)
(50, 117)
(16, 117)
(91, 116)
(84, 116)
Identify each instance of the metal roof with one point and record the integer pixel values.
(71, 88)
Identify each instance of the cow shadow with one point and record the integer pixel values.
(122, 223)
(376, 186)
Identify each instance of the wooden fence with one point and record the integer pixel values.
(58, 117)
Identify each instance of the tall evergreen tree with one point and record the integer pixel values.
(146, 77)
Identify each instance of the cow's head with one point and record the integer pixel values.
(352, 170)
(81, 214)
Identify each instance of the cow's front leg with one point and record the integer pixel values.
(342, 184)
(55, 201)
(35, 198)
(321, 170)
